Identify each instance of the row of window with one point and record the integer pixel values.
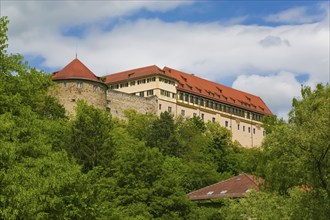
(142, 93)
(217, 106)
(167, 93)
(183, 113)
(167, 81)
(133, 83)
(243, 127)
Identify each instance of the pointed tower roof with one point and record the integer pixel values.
(75, 70)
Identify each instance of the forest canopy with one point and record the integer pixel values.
(94, 166)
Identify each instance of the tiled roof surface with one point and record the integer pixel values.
(134, 74)
(234, 187)
(202, 87)
(75, 70)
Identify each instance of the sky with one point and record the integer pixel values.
(267, 48)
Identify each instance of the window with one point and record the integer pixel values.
(202, 116)
(196, 100)
(142, 94)
(79, 85)
(153, 79)
(249, 130)
(141, 81)
(186, 97)
(180, 95)
(194, 114)
(150, 92)
(165, 93)
(237, 126)
(65, 85)
(160, 106)
(213, 119)
(166, 81)
(122, 85)
(243, 128)
(132, 83)
(191, 99)
(226, 123)
(169, 109)
(248, 115)
(254, 130)
(183, 112)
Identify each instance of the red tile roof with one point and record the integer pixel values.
(192, 84)
(134, 74)
(75, 70)
(234, 187)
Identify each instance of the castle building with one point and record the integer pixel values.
(152, 89)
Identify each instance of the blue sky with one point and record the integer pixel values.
(268, 48)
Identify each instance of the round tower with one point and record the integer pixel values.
(77, 82)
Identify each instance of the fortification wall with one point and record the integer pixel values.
(118, 102)
(68, 92)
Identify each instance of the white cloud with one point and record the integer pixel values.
(49, 16)
(276, 90)
(296, 15)
(216, 51)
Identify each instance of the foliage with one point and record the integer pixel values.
(300, 148)
(90, 137)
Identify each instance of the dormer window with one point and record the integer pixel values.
(220, 90)
(130, 75)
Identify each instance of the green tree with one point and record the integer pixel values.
(297, 153)
(37, 179)
(162, 135)
(139, 125)
(90, 137)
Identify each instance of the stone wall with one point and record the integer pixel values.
(68, 92)
(118, 102)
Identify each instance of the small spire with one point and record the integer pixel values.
(76, 51)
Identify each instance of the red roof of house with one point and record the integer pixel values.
(192, 84)
(75, 70)
(234, 187)
(134, 74)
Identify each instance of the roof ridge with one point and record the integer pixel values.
(249, 176)
(215, 184)
(140, 68)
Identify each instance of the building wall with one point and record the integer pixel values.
(118, 102)
(248, 132)
(154, 83)
(68, 92)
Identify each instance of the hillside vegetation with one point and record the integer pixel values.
(94, 166)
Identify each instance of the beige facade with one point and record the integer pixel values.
(249, 132)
